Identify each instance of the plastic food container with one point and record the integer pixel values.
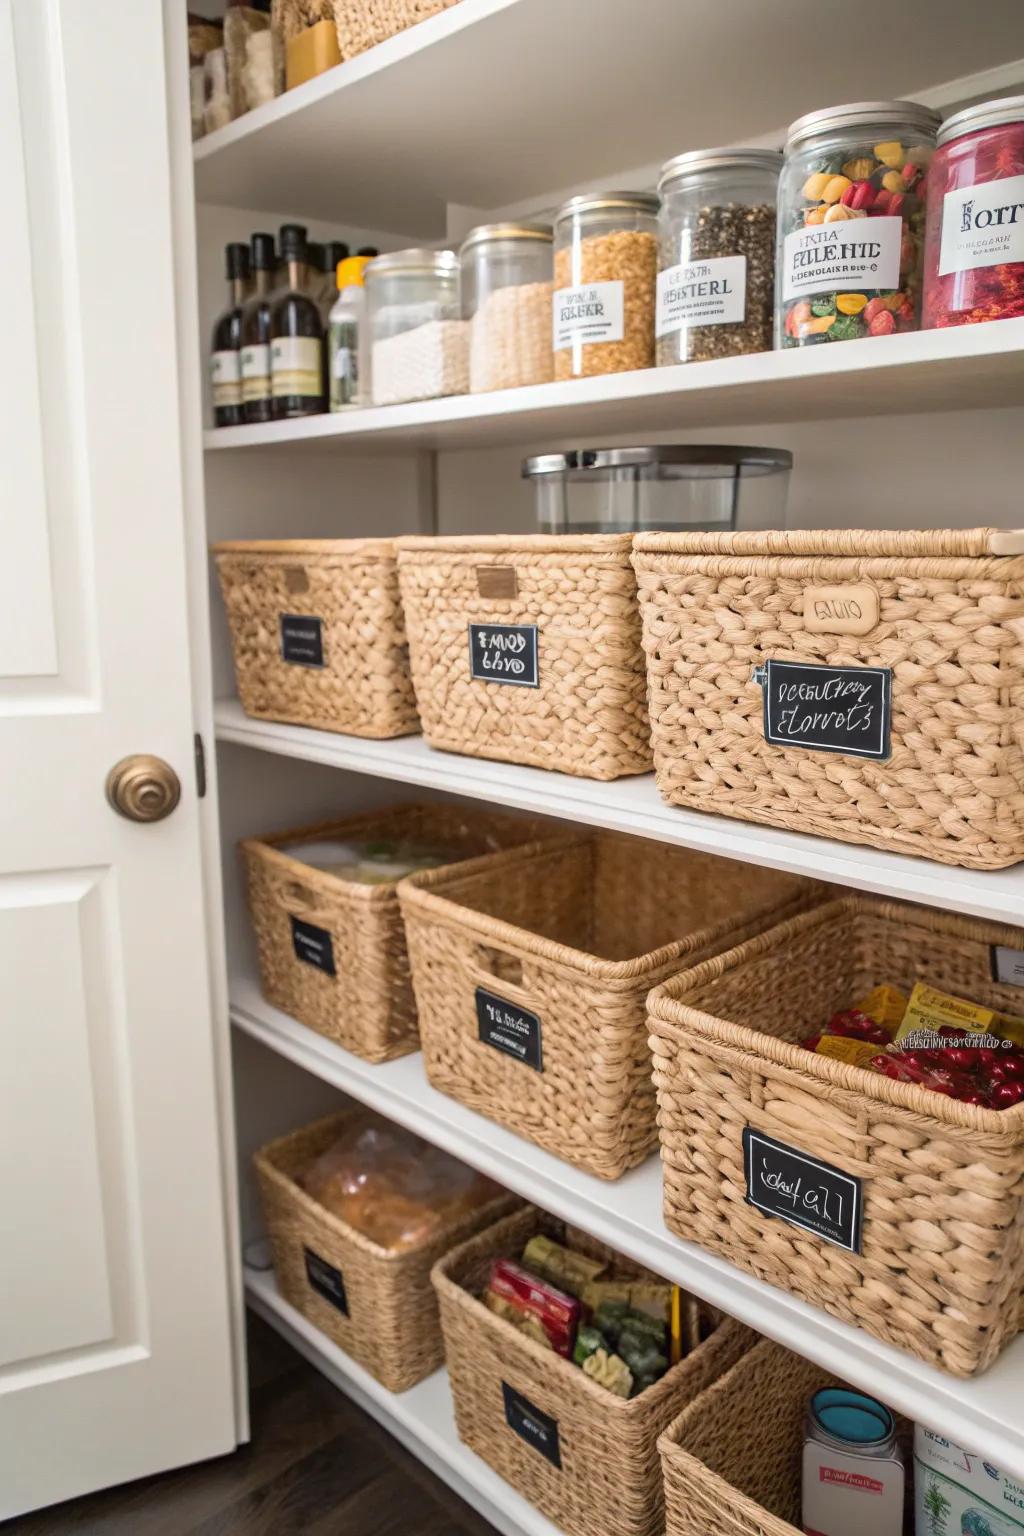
(851, 222)
(974, 246)
(506, 297)
(684, 487)
(417, 342)
(606, 266)
(716, 262)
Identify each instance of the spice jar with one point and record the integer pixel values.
(851, 222)
(506, 297)
(606, 263)
(417, 344)
(974, 242)
(716, 261)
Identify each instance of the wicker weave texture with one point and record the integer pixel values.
(367, 1006)
(609, 1482)
(588, 714)
(950, 627)
(575, 932)
(364, 687)
(362, 24)
(941, 1271)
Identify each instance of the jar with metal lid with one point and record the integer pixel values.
(417, 344)
(851, 222)
(606, 266)
(974, 240)
(506, 297)
(716, 260)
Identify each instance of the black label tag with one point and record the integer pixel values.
(802, 1190)
(827, 709)
(326, 1281)
(313, 945)
(504, 653)
(536, 1428)
(509, 1028)
(302, 640)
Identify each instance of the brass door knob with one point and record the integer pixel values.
(143, 787)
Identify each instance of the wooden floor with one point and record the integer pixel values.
(316, 1465)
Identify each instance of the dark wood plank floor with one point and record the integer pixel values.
(316, 1465)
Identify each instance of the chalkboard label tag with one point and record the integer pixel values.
(800, 1189)
(827, 709)
(302, 640)
(326, 1281)
(509, 1028)
(313, 945)
(536, 1428)
(504, 653)
(1007, 965)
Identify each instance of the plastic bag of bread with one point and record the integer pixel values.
(392, 1187)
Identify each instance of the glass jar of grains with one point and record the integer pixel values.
(851, 222)
(416, 343)
(716, 278)
(606, 265)
(506, 297)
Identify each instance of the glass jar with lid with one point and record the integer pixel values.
(974, 241)
(506, 297)
(606, 266)
(417, 344)
(716, 263)
(851, 222)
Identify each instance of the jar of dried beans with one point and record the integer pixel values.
(974, 243)
(606, 266)
(851, 222)
(417, 344)
(506, 297)
(716, 278)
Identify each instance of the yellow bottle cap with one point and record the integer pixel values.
(350, 271)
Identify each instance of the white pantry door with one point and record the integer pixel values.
(115, 1315)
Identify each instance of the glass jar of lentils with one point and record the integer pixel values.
(606, 266)
(851, 222)
(716, 277)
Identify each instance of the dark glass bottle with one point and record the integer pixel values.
(225, 360)
(255, 342)
(296, 336)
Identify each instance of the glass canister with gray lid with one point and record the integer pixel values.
(685, 488)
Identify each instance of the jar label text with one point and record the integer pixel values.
(982, 226)
(852, 253)
(592, 312)
(712, 292)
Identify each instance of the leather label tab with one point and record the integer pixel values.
(845, 610)
(496, 581)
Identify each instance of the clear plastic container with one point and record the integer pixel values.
(851, 222)
(690, 488)
(506, 297)
(344, 323)
(716, 266)
(417, 344)
(606, 268)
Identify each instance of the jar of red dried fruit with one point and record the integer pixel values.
(974, 241)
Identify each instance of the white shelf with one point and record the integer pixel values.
(422, 1418)
(634, 805)
(983, 1414)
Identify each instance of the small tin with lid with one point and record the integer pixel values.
(854, 1479)
(506, 297)
(606, 264)
(417, 343)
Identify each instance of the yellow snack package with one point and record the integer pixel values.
(854, 1052)
(932, 1010)
(885, 1005)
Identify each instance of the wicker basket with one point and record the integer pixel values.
(376, 1304)
(364, 23)
(940, 1266)
(575, 697)
(565, 940)
(318, 634)
(937, 613)
(332, 952)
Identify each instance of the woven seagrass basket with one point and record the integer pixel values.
(604, 1478)
(332, 952)
(531, 970)
(575, 697)
(364, 23)
(377, 1304)
(318, 634)
(938, 615)
(940, 1266)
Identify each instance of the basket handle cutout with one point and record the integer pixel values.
(296, 578)
(498, 965)
(301, 895)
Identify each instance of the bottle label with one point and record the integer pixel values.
(712, 292)
(592, 312)
(850, 254)
(226, 378)
(982, 226)
(256, 372)
(295, 366)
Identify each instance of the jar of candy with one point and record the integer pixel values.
(974, 242)
(851, 222)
